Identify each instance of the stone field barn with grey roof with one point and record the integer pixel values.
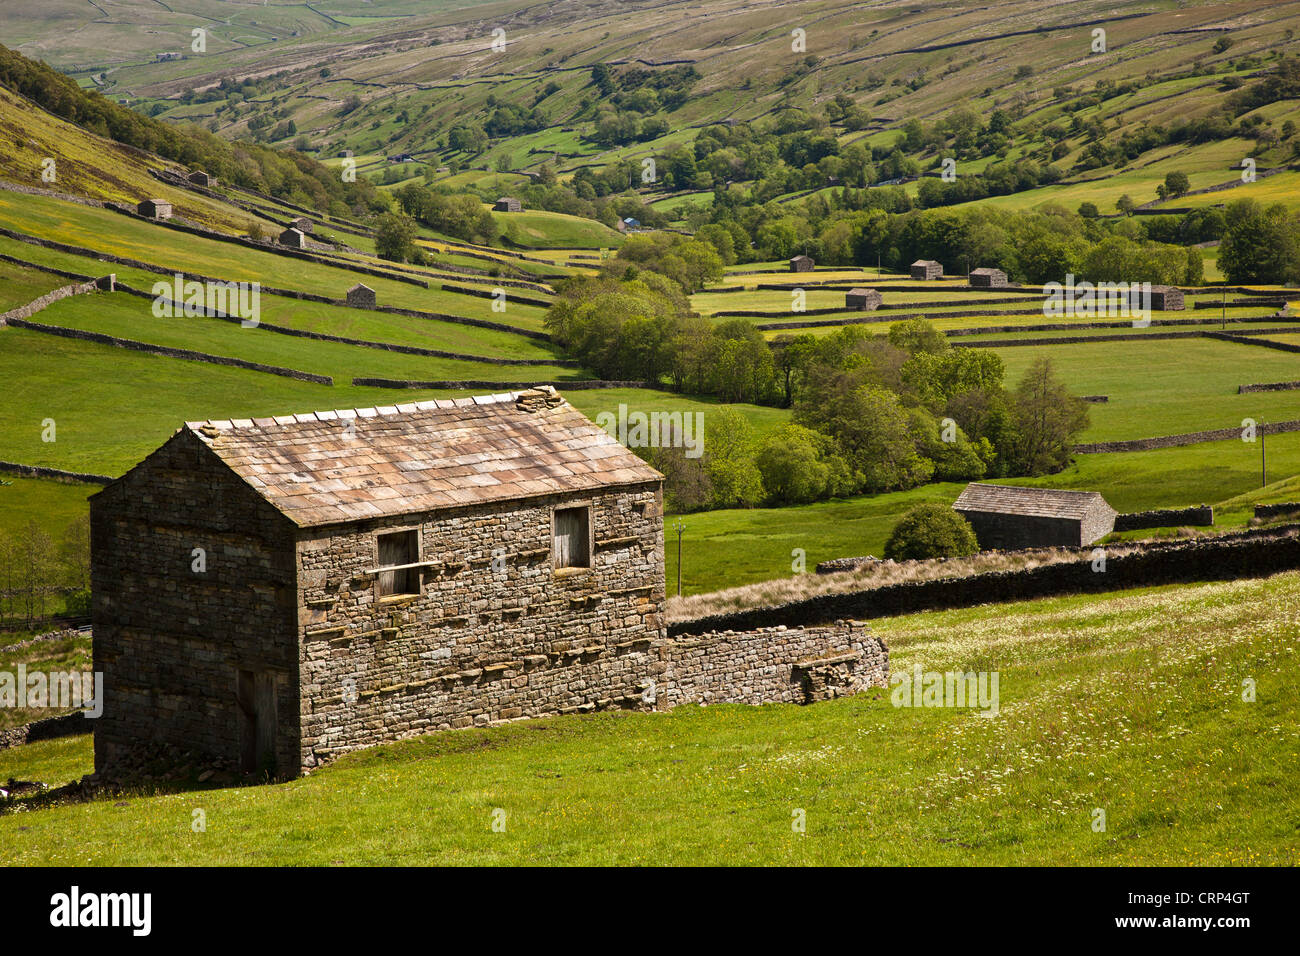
(1007, 518)
(276, 591)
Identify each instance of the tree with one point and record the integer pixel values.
(1177, 184)
(686, 483)
(395, 237)
(36, 569)
(729, 459)
(1260, 244)
(931, 530)
(1046, 419)
(870, 427)
(800, 465)
(1125, 204)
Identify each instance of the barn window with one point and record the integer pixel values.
(571, 538)
(397, 553)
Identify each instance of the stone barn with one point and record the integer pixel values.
(361, 296)
(155, 208)
(1008, 518)
(863, 300)
(293, 238)
(275, 591)
(926, 269)
(1167, 298)
(200, 178)
(988, 279)
(303, 225)
(802, 264)
(508, 204)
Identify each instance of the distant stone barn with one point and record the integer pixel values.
(293, 238)
(155, 209)
(1167, 298)
(276, 591)
(863, 300)
(200, 178)
(926, 269)
(988, 279)
(361, 296)
(802, 264)
(1009, 518)
(508, 204)
(303, 225)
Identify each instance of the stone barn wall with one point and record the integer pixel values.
(1008, 532)
(481, 644)
(171, 641)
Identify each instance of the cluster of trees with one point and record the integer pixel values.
(872, 412)
(1260, 243)
(35, 570)
(460, 216)
(854, 228)
(285, 174)
(883, 419)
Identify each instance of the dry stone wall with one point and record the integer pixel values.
(1187, 438)
(792, 665)
(1225, 558)
(1165, 518)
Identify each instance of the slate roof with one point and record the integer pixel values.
(1036, 502)
(421, 456)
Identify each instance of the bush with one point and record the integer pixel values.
(931, 531)
(77, 603)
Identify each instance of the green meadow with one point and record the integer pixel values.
(1129, 703)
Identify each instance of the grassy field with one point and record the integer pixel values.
(312, 316)
(536, 228)
(131, 317)
(1129, 703)
(108, 232)
(1166, 388)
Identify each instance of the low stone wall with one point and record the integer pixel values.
(189, 355)
(839, 565)
(17, 316)
(1200, 516)
(49, 728)
(366, 343)
(1263, 343)
(1187, 438)
(568, 386)
(1268, 387)
(37, 471)
(489, 294)
(1239, 303)
(1274, 511)
(1083, 339)
(269, 290)
(1122, 324)
(839, 285)
(891, 317)
(1247, 554)
(266, 245)
(798, 665)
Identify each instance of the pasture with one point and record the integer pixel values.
(1186, 771)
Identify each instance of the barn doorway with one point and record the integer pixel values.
(255, 695)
